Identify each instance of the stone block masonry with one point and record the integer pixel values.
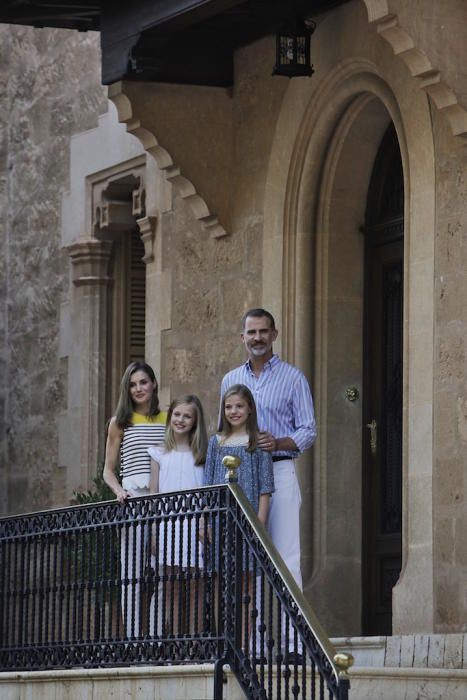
(49, 90)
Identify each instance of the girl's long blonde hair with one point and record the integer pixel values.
(198, 438)
(252, 420)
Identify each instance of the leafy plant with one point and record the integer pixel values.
(91, 556)
(99, 491)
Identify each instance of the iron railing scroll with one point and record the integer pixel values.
(189, 577)
(275, 645)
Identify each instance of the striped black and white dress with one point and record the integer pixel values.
(135, 462)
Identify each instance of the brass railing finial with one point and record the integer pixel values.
(343, 662)
(231, 464)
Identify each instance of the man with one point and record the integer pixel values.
(287, 424)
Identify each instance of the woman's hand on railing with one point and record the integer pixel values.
(121, 495)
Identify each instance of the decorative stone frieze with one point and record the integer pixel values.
(430, 80)
(182, 185)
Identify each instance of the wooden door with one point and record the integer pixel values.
(382, 414)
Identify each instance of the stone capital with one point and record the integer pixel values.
(90, 262)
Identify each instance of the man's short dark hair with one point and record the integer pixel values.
(259, 313)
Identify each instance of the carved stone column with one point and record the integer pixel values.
(90, 275)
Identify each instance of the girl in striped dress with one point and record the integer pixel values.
(138, 424)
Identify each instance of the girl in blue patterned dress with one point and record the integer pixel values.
(238, 436)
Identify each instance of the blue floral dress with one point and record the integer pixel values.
(255, 477)
(255, 473)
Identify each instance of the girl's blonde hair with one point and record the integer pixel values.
(125, 407)
(198, 437)
(252, 420)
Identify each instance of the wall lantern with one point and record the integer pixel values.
(293, 49)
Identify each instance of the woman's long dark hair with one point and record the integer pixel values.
(125, 407)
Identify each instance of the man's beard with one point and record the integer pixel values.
(258, 350)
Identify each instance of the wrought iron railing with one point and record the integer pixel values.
(188, 577)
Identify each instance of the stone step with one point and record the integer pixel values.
(432, 667)
(402, 667)
(193, 682)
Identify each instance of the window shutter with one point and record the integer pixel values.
(136, 298)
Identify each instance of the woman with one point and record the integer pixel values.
(138, 424)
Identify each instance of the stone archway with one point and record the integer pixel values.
(314, 228)
(338, 250)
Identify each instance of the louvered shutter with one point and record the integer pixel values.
(136, 299)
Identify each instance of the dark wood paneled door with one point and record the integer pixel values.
(382, 414)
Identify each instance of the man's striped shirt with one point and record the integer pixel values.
(283, 401)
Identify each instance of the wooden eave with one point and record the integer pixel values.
(83, 15)
(180, 41)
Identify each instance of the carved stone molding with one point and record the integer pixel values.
(147, 228)
(90, 262)
(183, 186)
(113, 218)
(419, 65)
(118, 201)
(139, 201)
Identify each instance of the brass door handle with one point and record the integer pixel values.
(373, 436)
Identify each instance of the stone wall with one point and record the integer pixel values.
(211, 287)
(213, 279)
(450, 410)
(50, 89)
(5, 68)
